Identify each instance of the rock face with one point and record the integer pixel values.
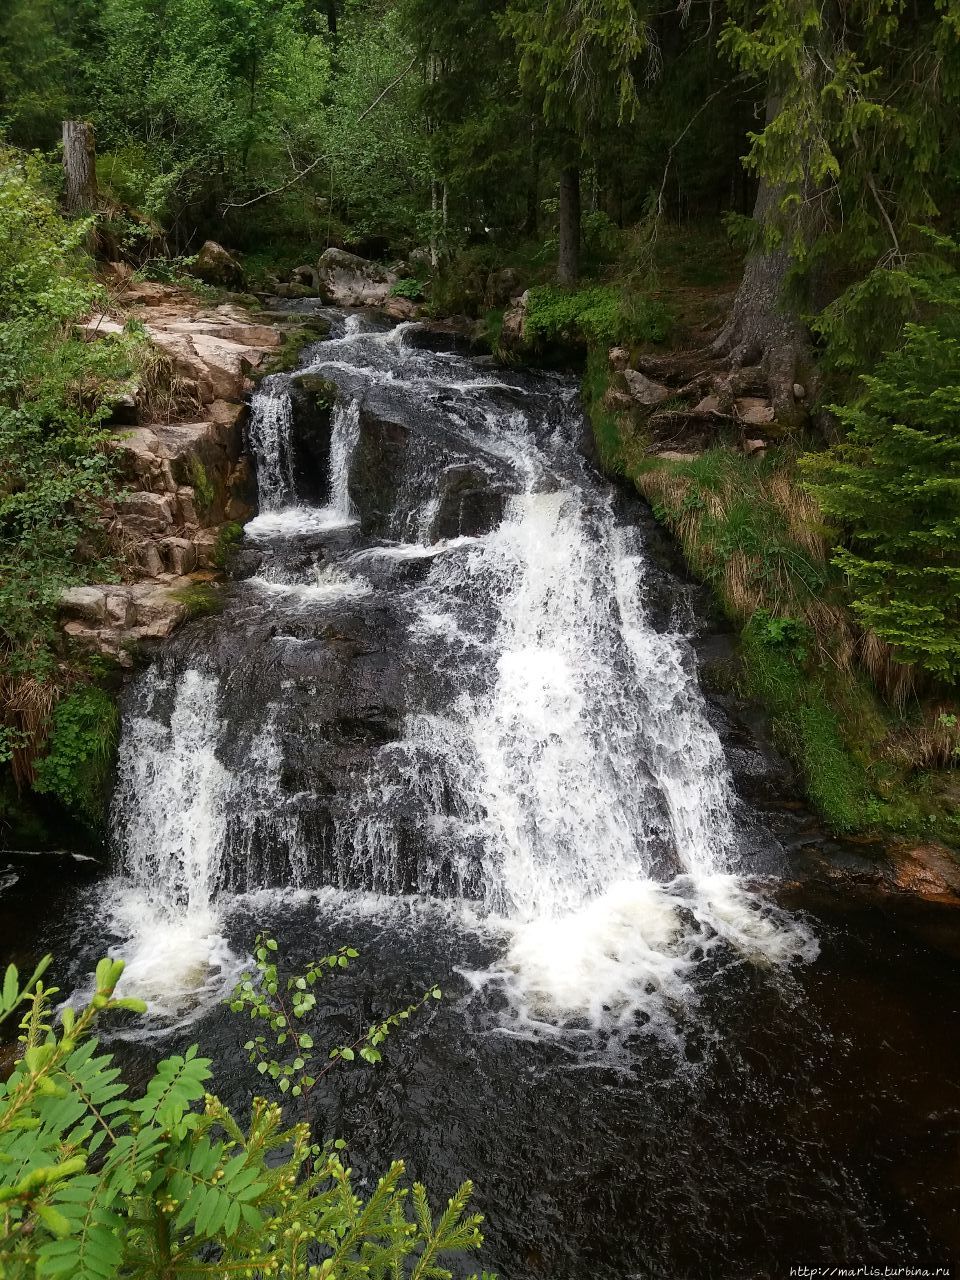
(115, 618)
(514, 321)
(378, 464)
(184, 480)
(350, 281)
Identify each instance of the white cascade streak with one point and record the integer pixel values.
(271, 417)
(344, 436)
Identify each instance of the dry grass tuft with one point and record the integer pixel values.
(895, 679)
(804, 520)
(163, 395)
(26, 704)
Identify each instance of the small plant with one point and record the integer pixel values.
(409, 287)
(597, 314)
(79, 753)
(286, 1005)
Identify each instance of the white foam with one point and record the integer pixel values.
(294, 522)
(329, 587)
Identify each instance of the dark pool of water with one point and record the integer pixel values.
(812, 1119)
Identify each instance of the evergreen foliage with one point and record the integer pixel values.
(892, 486)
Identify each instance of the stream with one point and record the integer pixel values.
(450, 715)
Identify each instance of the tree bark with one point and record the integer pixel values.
(764, 326)
(531, 221)
(568, 263)
(79, 166)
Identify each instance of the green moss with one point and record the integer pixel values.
(228, 539)
(805, 725)
(76, 767)
(202, 486)
(286, 358)
(201, 598)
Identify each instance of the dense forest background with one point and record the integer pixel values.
(751, 199)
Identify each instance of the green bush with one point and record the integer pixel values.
(97, 1182)
(80, 749)
(56, 391)
(600, 314)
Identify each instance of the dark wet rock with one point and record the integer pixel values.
(469, 504)
(378, 465)
(313, 398)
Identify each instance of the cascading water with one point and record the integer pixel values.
(269, 434)
(528, 742)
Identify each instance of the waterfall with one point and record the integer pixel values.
(528, 741)
(271, 419)
(169, 801)
(344, 436)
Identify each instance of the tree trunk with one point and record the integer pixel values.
(79, 166)
(531, 221)
(568, 263)
(764, 326)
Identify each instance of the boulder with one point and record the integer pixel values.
(501, 286)
(512, 333)
(84, 604)
(179, 555)
(294, 291)
(644, 390)
(927, 870)
(99, 326)
(145, 513)
(378, 464)
(676, 455)
(351, 281)
(617, 401)
(400, 308)
(305, 275)
(709, 404)
(618, 358)
(216, 265)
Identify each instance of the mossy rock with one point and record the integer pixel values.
(322, 389)
(287, 356)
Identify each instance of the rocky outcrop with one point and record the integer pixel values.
(512, 334)
(707, 401)
(179, 450)
(888, 872)
(116, 617)
(350, 281)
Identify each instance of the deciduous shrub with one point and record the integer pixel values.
(98, 1181)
